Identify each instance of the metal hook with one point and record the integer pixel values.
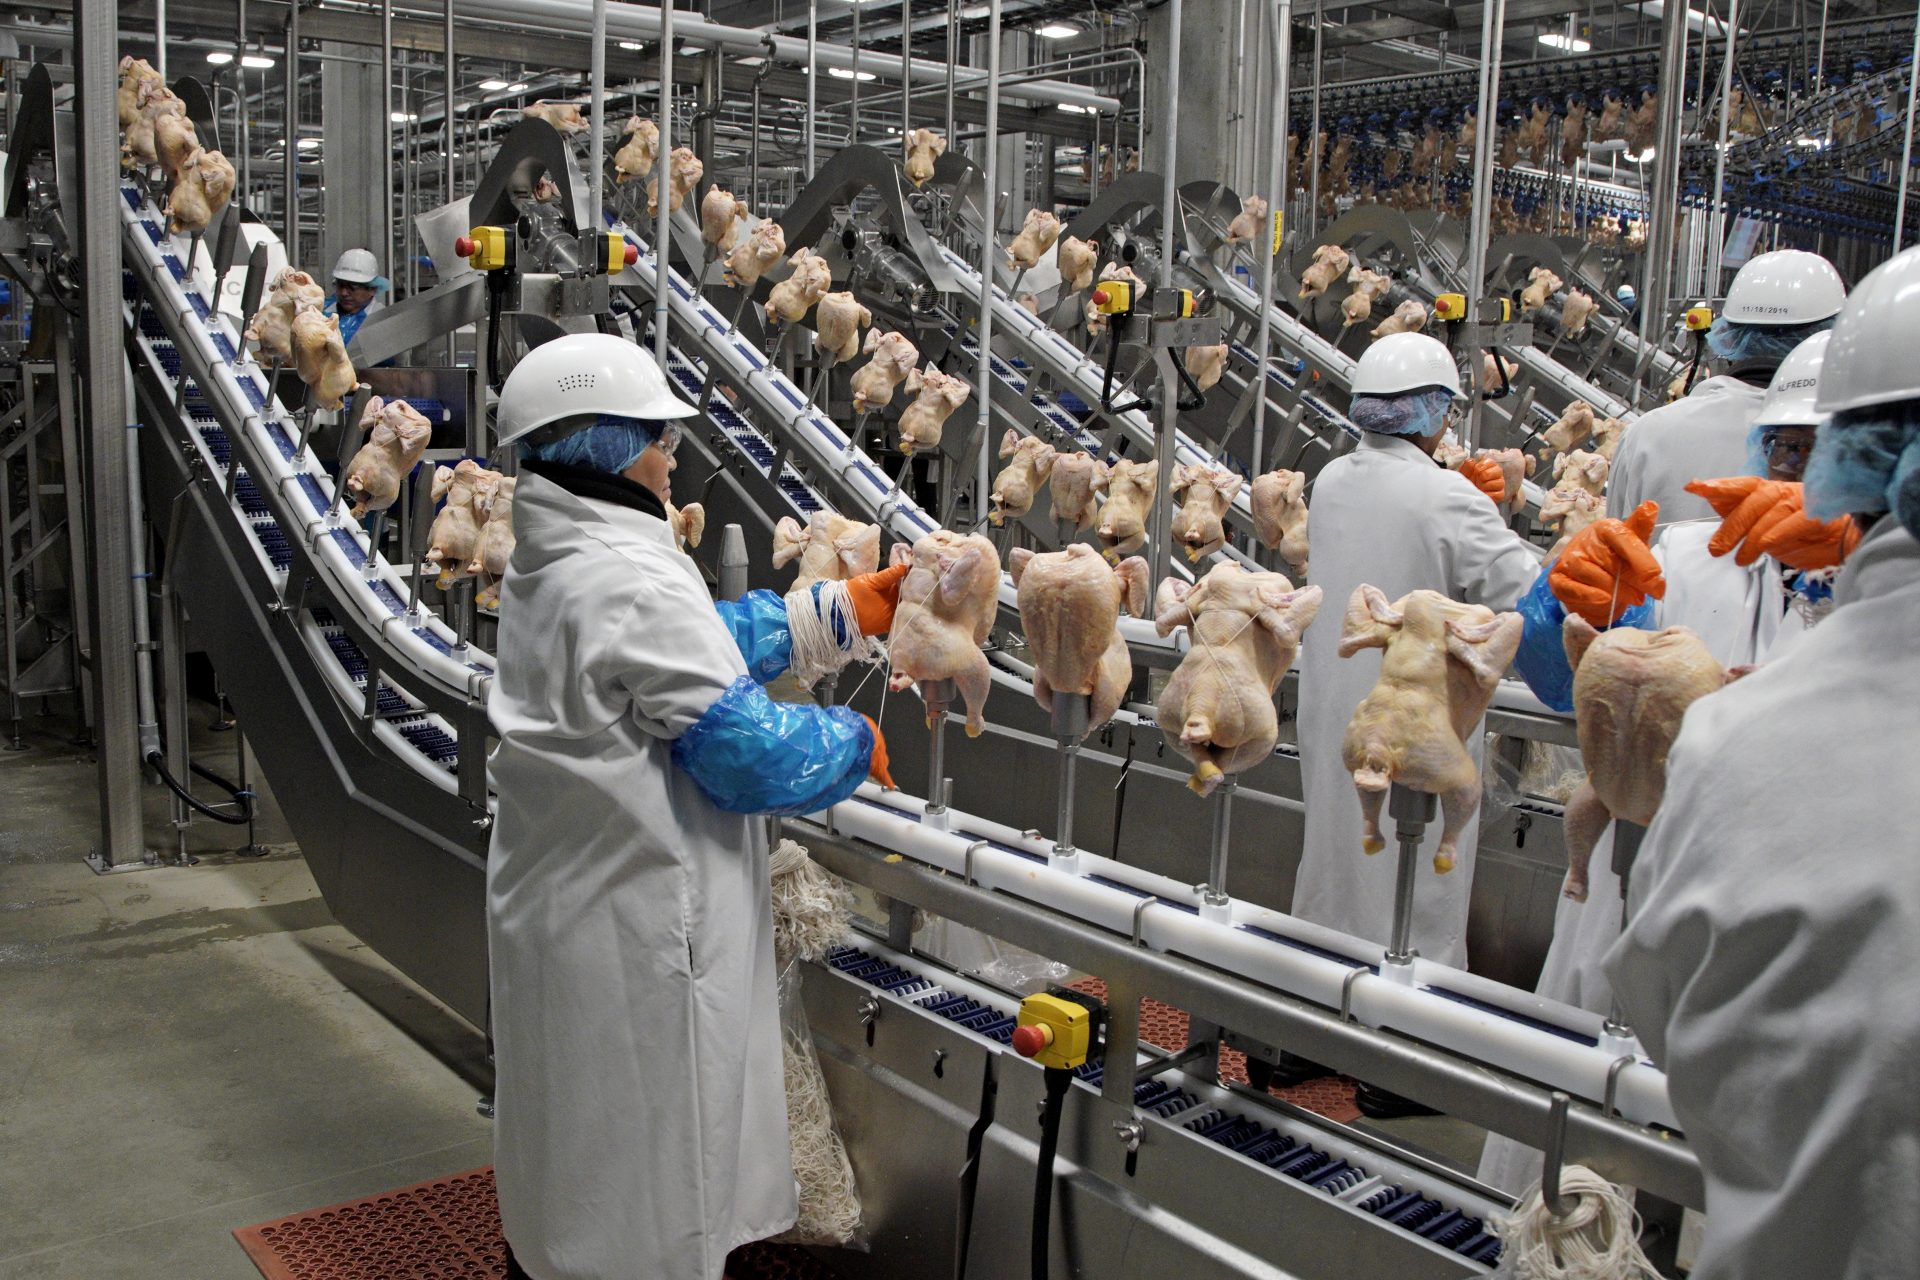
(1557, 1204)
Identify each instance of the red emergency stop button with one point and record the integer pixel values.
(632, 254)
(465, 246)
(1032, 1038)
(1100, 299)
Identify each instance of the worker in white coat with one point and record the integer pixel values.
(1776, 302)
(1388, 515)
(641, 1125)
(1747, 607)
(1775, 909)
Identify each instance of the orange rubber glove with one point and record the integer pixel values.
(1607, 567)
(1487, 477)
(878, 766)
(875, 597)
(1769, 518)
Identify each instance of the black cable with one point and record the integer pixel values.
(242, 798)
(1058, 1079)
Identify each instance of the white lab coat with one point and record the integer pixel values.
(1775, 935)
(641, 1127)
(1742, 616)
(1702, 437)
(1386, 514)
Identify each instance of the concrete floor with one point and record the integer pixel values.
(186, 1050)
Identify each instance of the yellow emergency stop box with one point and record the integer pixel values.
(1699, 319)
(1111, 297)
(1062, 1031)
(1450, 306)
(489, 246)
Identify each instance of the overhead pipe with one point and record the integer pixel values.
(160, 37)
(1493, 30)
(989, 250)
(1716, 247)
(662, 174)
(1280, 36)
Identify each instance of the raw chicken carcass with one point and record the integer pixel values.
(1613, 109)
(174, 139)
(394, 444)
(1541, 283)
(688, 523)
(200, 191)
(272, 324)
(894, 357)
(1450, 453)
(1018, 483)
(1123, 520)
(936, 396)
(1205, 365)
(1076, 479)
(1573, 428)
(1070, 604)
(946, 610)
(805, 285)
(1575, 312)
(1037, 235)
(1367, 287)
(1076, 259)
(544, 191)
(1280, 515)
(1250, 222)
(720, 214)
(134, 72)
(1246, 628)
(1582, 469)
(1630, 690)
(320, 358)
(636, 155)
(1567, 509)
(837, 326)
(564, 116)
(456, 530)
(829, 547)
(1409, 317)
(153, 101)
(1573, 132)
(1607, 434)
(1330, 262)
(1533, 134)
(494, 499)
(1443, 660)
(1206, 494)
(1515, 467)
(1640, 125)
(683, 171)
(1031, 302)
(923, 147)
(752, 256)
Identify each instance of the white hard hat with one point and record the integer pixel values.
(1405, 362)
(1790, 286)
(357, 266)
(583, 373)
(1871, 358)
(1790, 395)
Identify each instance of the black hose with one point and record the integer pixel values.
(1058, 1079)
(242, 798)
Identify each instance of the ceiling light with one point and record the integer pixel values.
(256, 62)
(308, 144)
(1642, 158)
(843, 73)
(1560, 40)
(690, 51)
(754, 61)
(1057, 31)
(631, 44)
(403, 117)
(492, 86)
(1076, 109)
(219, 59)
(519, 87)
(1808, 142)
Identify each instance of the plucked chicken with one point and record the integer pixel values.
(1533, 134)
(1076, 480)
(936, 396)
(1205, 494)
(1567, 509)
(1582, 469)
(456, 530)
(923, 146)
(805, 285)
(1037, 235)
(564, 116)
(1280, 516)
(272, 324)
(134, 72)
(1330, 262)
(637, 153)
(683, 171)
(829, 548)
(1250, 222)
(545, 191)
(1573, 428)
(1607, 435)
(320, 358)
(688, 524)
(396, 438)
(1613, 110)
(837, 326)
(1515, 467)
(1491, 371)
(174, 139)
(752, 256)
(1443, 660)
(1573, 132)
(1541, 283)
(153, 101)
(1575, 312)
(1070, 604)
(1630, 690)
(1640, 125)
(1030, 302)
(894, 357)
(720, 214)
(200, 191)
(1246, 628)
(1409, 317)
(946, 609)
(1123, 520)
(1368, 286)
(494, 499)
(1018, 483)
(1205, 365)
(1076, 259)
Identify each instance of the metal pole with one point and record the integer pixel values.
(663, 167)
(1717, 246)
(853, 98)
(386, 134)
(989, 250)
(1214, 900)
(906, 47)
(1493, 27)
(1160, 525)
(242, 129)
(1313, 133)
(290, 232)
(1906, 149)
(446, 194)
(1654, 295)
(597, 139)
(160, 36)
(953, 62)
(1280, 35)
(813, 70)
(96, 58)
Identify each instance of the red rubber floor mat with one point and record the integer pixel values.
(447, 1229)
(1165, 1027)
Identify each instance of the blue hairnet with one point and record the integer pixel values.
(611, 445)
(1736, 343)
(1410, 413)
(1867, 461)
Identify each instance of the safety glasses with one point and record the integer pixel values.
(1788, 447)
(669, 439)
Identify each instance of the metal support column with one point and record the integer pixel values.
(1906, 148)
(662, 244)
(1664, 202)
(1717, 242)
(989, 252)
(1493, 26)
(1280, 37)
(387, 253)
(290, 232)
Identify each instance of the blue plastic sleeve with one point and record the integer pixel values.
(1542, 660)
(750, 754)
(758, 621)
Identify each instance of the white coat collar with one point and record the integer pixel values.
(1396, 446)
(1887, 559)
(1724, 386)
(543, 511)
